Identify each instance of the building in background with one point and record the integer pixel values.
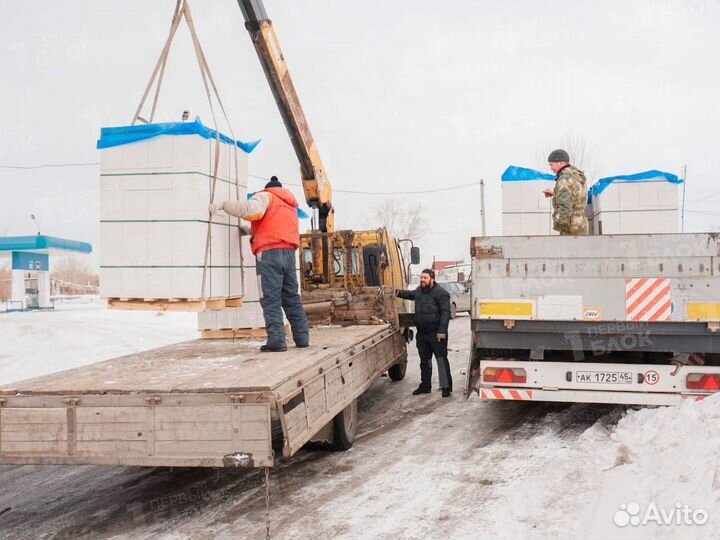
(30, 267)
(439, 266)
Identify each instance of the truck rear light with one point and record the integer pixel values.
(703, 381)
(504, 375)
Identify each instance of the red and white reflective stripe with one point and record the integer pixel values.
(695, 398)
(697, 359)
(502, 393)
(648, 299)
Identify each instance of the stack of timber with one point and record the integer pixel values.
(367, 305)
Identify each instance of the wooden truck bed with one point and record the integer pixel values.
(204, 403)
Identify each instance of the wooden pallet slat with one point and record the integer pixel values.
(237, 333)
(173, 304)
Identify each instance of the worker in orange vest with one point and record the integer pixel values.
(273, 214)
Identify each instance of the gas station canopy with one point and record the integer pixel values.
(43, 244)
(30, 267)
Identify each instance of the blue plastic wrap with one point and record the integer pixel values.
(521, 174)
(117, 136)
(647, 176)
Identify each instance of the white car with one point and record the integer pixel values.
(459, 297)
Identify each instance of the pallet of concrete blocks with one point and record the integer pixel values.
(245, 321)
(233, 322)
(525, 209)
(156, 182)
(642, 203)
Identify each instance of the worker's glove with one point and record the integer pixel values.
(215, 208)
(441, 337)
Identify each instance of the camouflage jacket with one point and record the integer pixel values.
(569, 202)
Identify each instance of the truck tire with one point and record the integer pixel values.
(453, 310)
(345, 427)
(397, 372)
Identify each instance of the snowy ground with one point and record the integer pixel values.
(422, 467)
(82, 332)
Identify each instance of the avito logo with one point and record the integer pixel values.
(630, 514)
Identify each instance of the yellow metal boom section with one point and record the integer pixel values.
(317, 186)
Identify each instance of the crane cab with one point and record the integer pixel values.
(351, 276)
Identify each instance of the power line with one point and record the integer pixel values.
(353, 192)
(705, 198)
(419, 192)
(457, 231)
(347, 191)
(49, 165)
(703, 212)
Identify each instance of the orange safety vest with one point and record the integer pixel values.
(279, 228)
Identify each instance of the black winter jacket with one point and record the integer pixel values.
(432, 308)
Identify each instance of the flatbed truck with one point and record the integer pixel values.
(202, 403)
(222, 403)
(631, 319)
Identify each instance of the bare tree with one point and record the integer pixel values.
(74, 270)
(402, 221)
(580, 156)
(5, 282)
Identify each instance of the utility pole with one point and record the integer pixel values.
(482, 205)
(32, 216)
(682, 212)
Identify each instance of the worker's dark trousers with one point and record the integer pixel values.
(428, 344)
(278, 285)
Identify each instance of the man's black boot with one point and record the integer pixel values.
(421, 390)
(268, 348)
(446, 392)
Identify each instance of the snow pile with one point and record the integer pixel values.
(556, 485)
(670, 458)
(76, 334)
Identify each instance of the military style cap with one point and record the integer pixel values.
(558, 155)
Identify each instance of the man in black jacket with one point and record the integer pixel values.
(432, 316)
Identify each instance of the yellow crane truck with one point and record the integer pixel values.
(220, 403)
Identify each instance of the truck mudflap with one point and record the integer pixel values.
(189, 430)
(584, 382)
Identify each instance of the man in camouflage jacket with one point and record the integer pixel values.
(569, 197)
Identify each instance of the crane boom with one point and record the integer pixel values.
(316, 185)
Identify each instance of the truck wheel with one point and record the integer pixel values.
(453, 310)
(397, 372)
(345, 427)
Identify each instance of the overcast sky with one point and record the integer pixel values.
(401, 95)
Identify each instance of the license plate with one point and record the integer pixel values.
(604, 377)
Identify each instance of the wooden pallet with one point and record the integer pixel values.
(238, 333)
(173, 304)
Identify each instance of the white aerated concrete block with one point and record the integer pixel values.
(249, 315)
(154, 220)
(529, 224)
(526, 211)
(637, 207)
